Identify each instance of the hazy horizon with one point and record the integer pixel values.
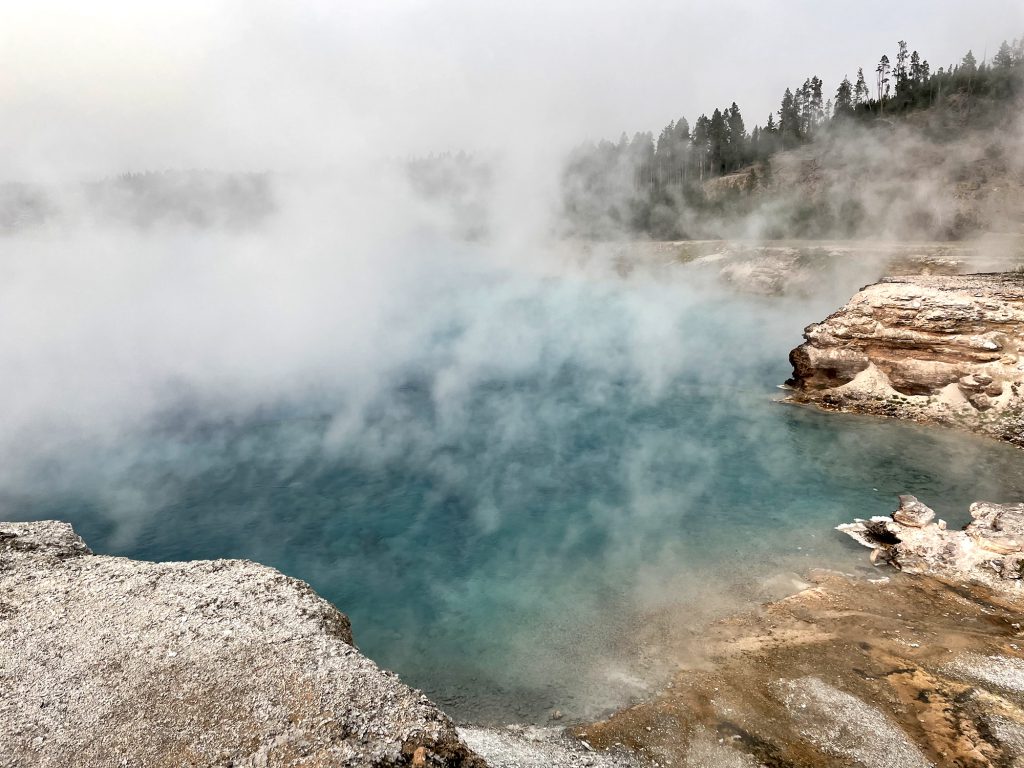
(251, 86)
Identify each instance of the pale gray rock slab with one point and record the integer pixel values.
(841, 724)
(1002, 673)
(540, 747)
(106, 661)
(708, 751)
(1010, 735)
(912, 512)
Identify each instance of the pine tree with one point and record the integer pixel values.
(789, 120)
(682, 131)
(844, 100)
(860, 90)
(817, 109)
(663, 146)
(900, 71)
(718, 140)
(641, 154)
(882, 70)
(700, 144)
(737, 137)
(805, 107)
(969, 66)
(1004, 58)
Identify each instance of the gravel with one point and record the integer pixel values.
(538, 747)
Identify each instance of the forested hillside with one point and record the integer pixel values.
(923, 141)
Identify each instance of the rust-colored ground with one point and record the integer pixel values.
(888, 643)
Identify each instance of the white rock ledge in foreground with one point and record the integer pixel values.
(106, 661)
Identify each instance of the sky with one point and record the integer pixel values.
(108, 86)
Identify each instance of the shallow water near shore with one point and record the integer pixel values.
(558, 461)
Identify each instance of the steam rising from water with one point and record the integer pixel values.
(503, 464)
(499, 460)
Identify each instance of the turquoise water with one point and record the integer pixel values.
(557, 460)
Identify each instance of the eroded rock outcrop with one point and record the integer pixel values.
(106, 661)
(990, 549)
(945, 349)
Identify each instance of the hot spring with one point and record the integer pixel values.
(511, 485)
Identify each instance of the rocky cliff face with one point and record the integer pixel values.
(947, 349)
(106, 661)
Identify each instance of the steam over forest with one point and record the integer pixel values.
(901, 150)
(653, 185)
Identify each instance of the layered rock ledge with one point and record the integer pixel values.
(106, 661)
(943, 349)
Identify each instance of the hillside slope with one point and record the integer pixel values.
(888, 181)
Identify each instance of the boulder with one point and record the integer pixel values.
(913, 513)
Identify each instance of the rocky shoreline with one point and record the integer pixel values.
(894, 670)
(890, 671)
(933, 349)
(108, 661)
(989, 550)
(111, 661)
